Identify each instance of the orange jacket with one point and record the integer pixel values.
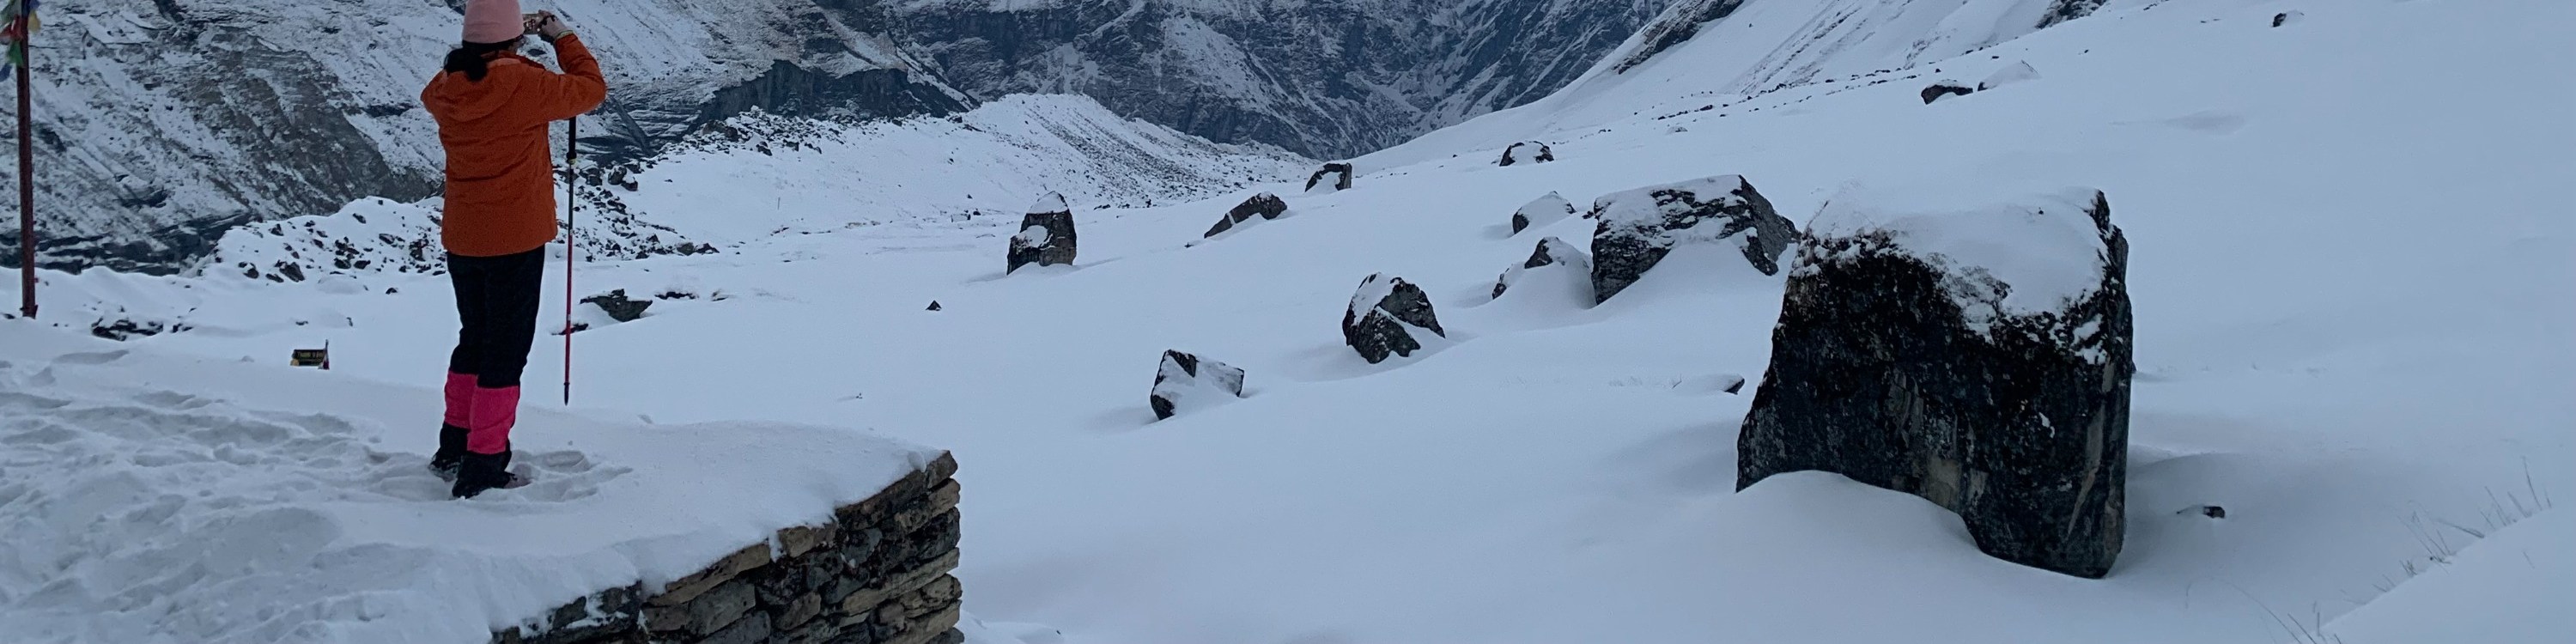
(500, 166)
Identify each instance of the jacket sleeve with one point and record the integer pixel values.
(576, 91)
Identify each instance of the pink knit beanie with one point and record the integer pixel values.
(493, 21)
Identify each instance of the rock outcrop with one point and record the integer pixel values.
(1542, 211)
(1046, 235)
(1551, 252)
(1264, 205)
(878, 573)
(1527, 152)
(1186, 381)
(1639, 227)
(1945, 88)
(1977, 356)
(1385, 315)
(1677, 25)
(1339, 175)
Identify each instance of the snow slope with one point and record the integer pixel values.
(149, 497)
(2350, 288)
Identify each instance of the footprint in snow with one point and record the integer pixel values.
(91, 357)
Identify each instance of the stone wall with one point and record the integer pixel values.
(876, 574)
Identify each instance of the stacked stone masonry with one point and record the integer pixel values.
(877, 574)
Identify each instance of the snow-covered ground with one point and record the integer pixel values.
(2349, 263)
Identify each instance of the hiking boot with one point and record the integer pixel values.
(480, 472)
(451, 453)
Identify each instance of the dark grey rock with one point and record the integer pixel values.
(1527, 152)
(1904, 368)
(2064, 10)
(2286, 18)
(1678, 25)
(1542, 211)
(618, 306)
(1046, 235)
(1264, 205)
(1945, 88)
(934, 305)
(1185, 379)
(749, 630)
(719, 607)
(1339, 173)
(1551, 251)
(1639, 227)
(1383, 315)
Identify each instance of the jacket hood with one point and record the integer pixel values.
(466, 100)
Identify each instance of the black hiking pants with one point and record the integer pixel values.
(496, 302)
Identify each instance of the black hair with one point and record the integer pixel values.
(475, 59)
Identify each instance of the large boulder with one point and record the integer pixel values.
(1976, 355)
(1945, 88)
(1542, 211)
(1264, 205)
(1046, 235)
(1639, 227)
(1385, 315)
(1339, 175)
(1551, 252)
(1527, 152)
(1188, 381)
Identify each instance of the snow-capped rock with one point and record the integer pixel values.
(2017, 72)
(1384, 316)
(1551, 252)
(1264, 205)
(1945, 88)
(1639, 227)
(2005, 323)
(1046, 235)
(1527, 152)
(1542, 211)
(1187, 381)
(1335, 177)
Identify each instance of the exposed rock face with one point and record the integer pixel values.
(1639, 227)
(1542, 211)
(1551, 252)
(1325, 79)
(876, 573)
(1527, 152)
(1977, 357)
(1944, 89)
(1383, 317)
(2064, 10)
(1334, 177)
(1187, 381)
(1676, 26)
(1046, 235)
(1264, 205)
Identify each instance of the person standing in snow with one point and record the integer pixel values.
(493, 105)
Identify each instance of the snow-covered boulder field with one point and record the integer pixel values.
(1973, 353)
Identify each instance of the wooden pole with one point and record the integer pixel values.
(26, 179)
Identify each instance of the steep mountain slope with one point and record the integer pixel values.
(163, 122)
(1321, 77)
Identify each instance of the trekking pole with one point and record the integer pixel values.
(572, 203)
